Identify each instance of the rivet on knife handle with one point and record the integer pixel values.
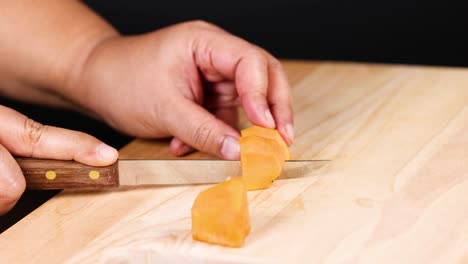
(46, 174)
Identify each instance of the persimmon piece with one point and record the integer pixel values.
(220, 214)
(262, 161)
(270, 134)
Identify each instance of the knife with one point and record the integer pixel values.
(45, 174)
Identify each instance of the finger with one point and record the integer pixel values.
(221, 56)
(179, 148)
(227, 88)
(228, 115)
(280, 100)
(25, 137)
(222, 94)
(12, 183)
(204, 131)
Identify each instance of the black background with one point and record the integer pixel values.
(411, 32)
(398, 31)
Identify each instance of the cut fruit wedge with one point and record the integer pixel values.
(220, 214)
(270, 134)
(262, 161)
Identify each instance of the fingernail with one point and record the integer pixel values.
(290, 132)
(107, 152)
(230, 149)
(269, 118)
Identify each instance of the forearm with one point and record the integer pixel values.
(44, 45)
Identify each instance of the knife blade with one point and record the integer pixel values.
(44, 174)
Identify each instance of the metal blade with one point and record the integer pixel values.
(179, 172)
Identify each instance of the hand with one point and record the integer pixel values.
(22, 136)
(185, 81)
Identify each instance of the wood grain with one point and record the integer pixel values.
(46, 174)
(395, 192)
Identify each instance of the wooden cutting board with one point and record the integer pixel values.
(395, 192)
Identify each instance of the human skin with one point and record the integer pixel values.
(183, 81)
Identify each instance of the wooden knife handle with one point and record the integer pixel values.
(46, 174)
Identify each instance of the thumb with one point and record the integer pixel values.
(12, 182)
(25, 137)
(203, 131)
